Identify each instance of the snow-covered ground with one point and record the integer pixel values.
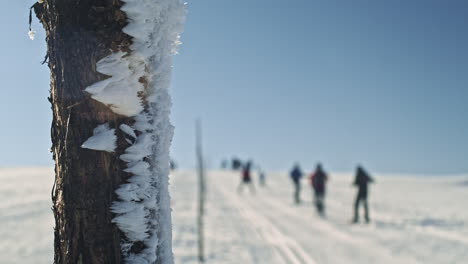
(26, 219)
(414, 220)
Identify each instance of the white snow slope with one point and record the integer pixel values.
(414, 220)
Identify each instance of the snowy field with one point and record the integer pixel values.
(414, 220)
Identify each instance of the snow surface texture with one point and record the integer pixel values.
(26, 221)
(138, 87)
(414, 220)
(103, 139)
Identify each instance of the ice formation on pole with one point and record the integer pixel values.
(138, 88)
(103, 139)
(120, 91)
(31, 34)
(128, 130)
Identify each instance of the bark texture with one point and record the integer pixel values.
(80, 33)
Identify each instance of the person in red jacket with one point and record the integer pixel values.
(246, 178)
(318, 180)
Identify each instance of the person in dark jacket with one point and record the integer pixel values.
(296, 175)
(236, 164)
(318, 180)
(246, 178)
(361, 181)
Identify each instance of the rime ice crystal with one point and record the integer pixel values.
(121, 91)
(128, 130)
(155, 26)
(31, 34)
(103, 139)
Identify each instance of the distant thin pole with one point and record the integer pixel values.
(201, 191)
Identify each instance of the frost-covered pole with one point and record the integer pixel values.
(110, 63)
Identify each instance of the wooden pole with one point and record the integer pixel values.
(201, 192)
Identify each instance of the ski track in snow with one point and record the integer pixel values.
(414, 220)
(409, 225)
(285, 247)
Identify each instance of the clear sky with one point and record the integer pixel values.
(381, 83)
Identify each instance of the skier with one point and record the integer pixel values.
(296, 175)
(361, 181)
(318, 181)
(246, 178)
(236, 164)
(261, 178)
(172, 165)
(224, 164)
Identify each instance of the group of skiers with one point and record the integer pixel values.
(318, 180)
(246, 177)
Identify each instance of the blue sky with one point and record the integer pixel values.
(382, 83)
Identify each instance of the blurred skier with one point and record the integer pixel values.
(224, 164)
(236, 164)
(318, 181)
(261, 178)
(296, 175)
(172, 165)
(361, 181)
(246, 178)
